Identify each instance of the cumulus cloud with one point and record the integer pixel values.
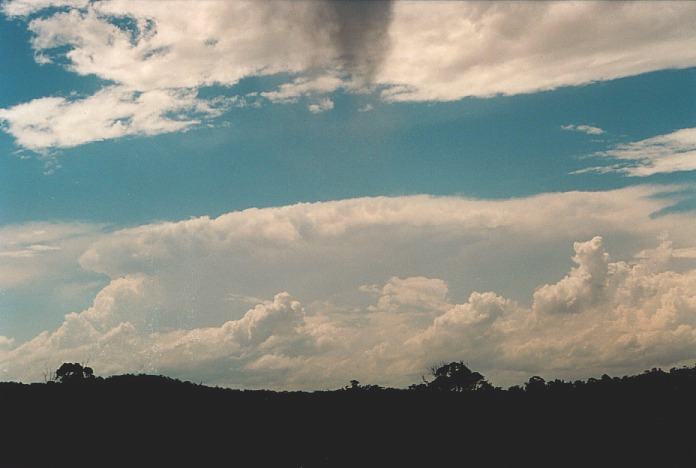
(581, 287)
(673, 152)
(470, 331)
(484, 281)
(408, 51)
(627, 315)
(116, 333)
(617, 317)
(588, 129)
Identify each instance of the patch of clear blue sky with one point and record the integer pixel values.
(280, 154)
(22, 79)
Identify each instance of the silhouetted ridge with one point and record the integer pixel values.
(454, 418)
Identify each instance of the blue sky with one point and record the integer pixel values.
(99, 147)
(275, 155)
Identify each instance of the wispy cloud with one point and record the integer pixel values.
(588, 129)
(673, 152)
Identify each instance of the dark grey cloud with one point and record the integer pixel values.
(358, 30)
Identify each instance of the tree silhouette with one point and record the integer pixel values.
(456, 377)
(535, 384)
(73, 372)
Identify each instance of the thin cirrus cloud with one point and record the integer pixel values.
(361, 309)
(402, 51)
(673, 152)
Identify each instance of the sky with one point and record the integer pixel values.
(296, 194)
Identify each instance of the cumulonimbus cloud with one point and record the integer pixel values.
(360, 308)
(603, 316)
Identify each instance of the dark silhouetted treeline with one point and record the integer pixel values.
(453, 419)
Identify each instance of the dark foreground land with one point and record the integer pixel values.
(648, 420)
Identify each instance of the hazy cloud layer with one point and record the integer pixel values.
(405, 51)
(35, 252)
(380, 288)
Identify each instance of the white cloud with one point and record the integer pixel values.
(174, 47)
(624, 317)
(590, 130)
(630, 318)
(312, 236)
(116, 333)
(27, 7)
(28, 251)
(6, 343)
(672, 152)
(448, 50)
(36, 252)
(323, 105)
(370, 312)
(471, 331)
(157, 65)
(289, 92)
(436, 51)
(419, 293)
(113, 112)
(581, 287)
